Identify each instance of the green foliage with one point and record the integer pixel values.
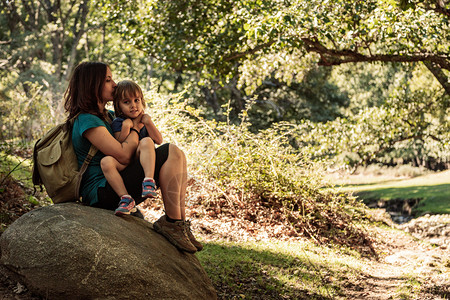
(261, 51)
(369, 85)
(233, 164)
(23, 116)
(315, 98)
(273, 270)
(411, 125)
(216, 37)
(187, 34)
(39, 46)
(15, 162)
(230, 155)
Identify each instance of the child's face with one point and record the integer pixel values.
(131, 106)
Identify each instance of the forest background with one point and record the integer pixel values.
(265, 97)
(358, 82)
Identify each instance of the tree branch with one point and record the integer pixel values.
(331, 57)
(439, 8)
(234, 56)
(439, 75)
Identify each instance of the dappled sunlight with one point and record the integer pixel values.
(277, 269)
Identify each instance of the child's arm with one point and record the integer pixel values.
(125, 131)
(153, 132)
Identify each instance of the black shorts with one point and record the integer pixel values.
(132, 176)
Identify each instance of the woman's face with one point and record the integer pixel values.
(108, 87)
(131, 106)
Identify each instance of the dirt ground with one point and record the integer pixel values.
(409, 268)
(413, 262)
(410, 265)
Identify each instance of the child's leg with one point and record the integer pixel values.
(111, 168)
(147, 156)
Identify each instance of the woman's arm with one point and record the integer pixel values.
(153, 132)
(106, 143)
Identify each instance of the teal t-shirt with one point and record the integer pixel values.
(93, 178)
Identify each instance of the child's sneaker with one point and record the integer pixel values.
(149, 188)
(126, 206)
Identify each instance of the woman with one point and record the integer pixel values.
(91, 86)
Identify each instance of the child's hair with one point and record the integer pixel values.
(126, 89)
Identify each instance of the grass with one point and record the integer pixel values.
(17, 167)
(277, 270)
(433, 190)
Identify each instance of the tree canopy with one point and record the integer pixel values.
(340, 64)
(219, 37)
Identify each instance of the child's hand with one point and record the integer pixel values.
(127, 124)
(153, 132)
(137, 122)
(146, 119)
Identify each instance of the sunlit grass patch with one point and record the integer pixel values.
(277, 269)
(16, 173)
(432, 189)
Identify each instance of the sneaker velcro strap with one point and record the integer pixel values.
(149, 183)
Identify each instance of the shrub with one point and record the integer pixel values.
(237, 168)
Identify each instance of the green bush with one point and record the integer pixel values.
(237, 168)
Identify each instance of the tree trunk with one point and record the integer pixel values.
(236, 95)
(77, 34)
(211, 98)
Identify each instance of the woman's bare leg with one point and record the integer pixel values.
(183, 187)
(173, 181)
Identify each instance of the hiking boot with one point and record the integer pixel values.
(126, 206)
(149, 189)
(175, 233)
(187, 226)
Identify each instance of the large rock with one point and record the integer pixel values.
(71, 251)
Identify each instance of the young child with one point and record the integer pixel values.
(129, 104)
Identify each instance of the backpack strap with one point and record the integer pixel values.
(92, 151)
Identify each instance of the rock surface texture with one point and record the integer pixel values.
(71, 251)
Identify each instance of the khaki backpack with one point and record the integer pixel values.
(55, 163)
